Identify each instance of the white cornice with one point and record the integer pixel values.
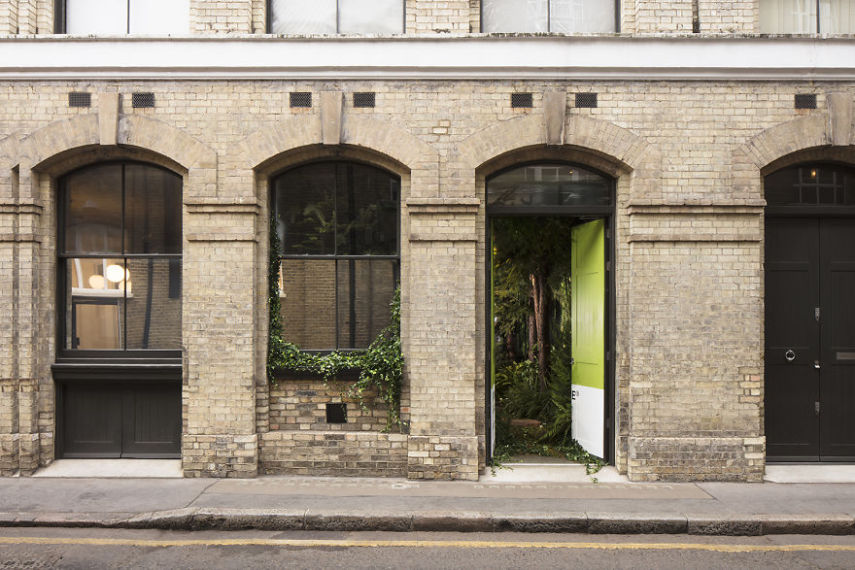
(429, 58)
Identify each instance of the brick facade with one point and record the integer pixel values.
(688, 158)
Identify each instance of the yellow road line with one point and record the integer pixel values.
(737, 548)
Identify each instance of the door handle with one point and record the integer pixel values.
(816, 364)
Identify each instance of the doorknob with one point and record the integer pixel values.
(816, 364)
(790, 355)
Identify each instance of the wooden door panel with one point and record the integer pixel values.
(92, 420)
(792, 295)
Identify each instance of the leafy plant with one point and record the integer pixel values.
(381, 366)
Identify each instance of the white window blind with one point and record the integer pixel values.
(96, 17)
(837, 16)
(560, 16)
(337, 16)
(113, 17)
(788, 16)
(159, 17)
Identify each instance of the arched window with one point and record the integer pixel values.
(339, 226)
(120, 261)
(808, 185)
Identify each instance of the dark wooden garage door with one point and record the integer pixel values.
(810, 339)
(116, 413)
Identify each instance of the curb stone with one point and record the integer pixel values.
(190, 519)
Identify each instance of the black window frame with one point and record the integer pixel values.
(110, 356)
(549, 17)
(335, 258)
(808, 208)
(269, 17)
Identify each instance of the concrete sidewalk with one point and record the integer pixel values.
(611, 505)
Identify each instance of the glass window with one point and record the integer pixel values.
(114, 17)
(120, 258)
(811, 184)
(560, 16)
(338, 223)
(549, 185)
(803, 16)
(337, 16)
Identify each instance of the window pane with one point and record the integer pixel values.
(581, 16)
(365, 289)
(96, 17)
(152, 210)
(95, 294)
(371, 16)
(837, 16)
(367, 211)
(160, 17)
(787, 16)
(514, 16)
(307, 294)
(303, 17)
(93, 210)
(822, 184)
(549, 185)
(305, 206)
(153, 307)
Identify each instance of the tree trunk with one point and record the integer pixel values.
(539, 294)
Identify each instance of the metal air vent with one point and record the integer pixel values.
(364, 99)
(805, 101)
(78, 99)
(586, 100)
(142, 100)
(301, 98)
(521, 101)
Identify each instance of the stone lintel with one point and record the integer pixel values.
(108, 118)
(554, 111)
(839, 118)
(331, 109)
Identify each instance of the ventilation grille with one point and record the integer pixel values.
(77, 99)
(301, 99)
(586, 100)
(336, 413)
(365, 99)
(142, 100)
(521, 101)
(805, 101)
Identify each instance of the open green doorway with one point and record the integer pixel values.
(550, 303)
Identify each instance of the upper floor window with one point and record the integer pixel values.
(559, 16)
(807, 16)
(339, 227)
(120, 261)
(337, 16)
(115, 17)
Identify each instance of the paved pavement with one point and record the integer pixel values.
(611, 505)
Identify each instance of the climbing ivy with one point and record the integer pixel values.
(380, 367)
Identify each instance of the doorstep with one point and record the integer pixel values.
(113, 468)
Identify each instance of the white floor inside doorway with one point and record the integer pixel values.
(130, 468)
(816, 473)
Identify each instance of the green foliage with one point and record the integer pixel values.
(517, 391)
(381, 366)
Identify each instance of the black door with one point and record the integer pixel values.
(810, 339)
(129, 415)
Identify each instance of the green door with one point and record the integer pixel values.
(588, 304)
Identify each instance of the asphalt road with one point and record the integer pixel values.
(91, 548)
